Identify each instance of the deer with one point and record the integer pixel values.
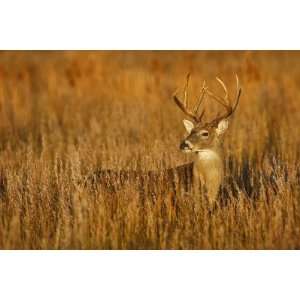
(205, 139)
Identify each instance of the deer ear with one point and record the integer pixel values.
(222, 126)
(188, 125)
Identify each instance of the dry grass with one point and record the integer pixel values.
(66, 114)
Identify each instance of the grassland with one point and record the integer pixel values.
(66, 114)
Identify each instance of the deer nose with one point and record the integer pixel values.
(185, 145)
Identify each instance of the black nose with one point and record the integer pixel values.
(184, 146)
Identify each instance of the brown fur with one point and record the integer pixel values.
(204, 141)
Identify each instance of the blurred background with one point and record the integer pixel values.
(92, 94)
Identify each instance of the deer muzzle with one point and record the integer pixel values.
(186, 146)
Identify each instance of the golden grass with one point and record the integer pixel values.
(67, 114)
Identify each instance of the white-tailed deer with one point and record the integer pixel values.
(204, 140)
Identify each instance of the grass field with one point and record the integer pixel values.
(66, 114)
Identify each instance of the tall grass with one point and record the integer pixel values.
(66, 114)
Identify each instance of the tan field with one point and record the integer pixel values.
(66, 115)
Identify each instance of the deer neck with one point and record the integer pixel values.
(209, 160)
(208, 169)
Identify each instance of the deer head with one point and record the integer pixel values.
(204, 136)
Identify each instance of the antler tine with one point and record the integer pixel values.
(184, 105)
(184, 109)
(218, 99)
(237, 82)
(201, 115)
(201, 98)
(224, 87)
(226, 102)
(226, 99)
(238, 93)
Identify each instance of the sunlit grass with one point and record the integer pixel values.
(65, 115)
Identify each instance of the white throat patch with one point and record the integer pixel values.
(207, 154)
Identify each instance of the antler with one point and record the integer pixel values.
(225, 101)
(194, 114)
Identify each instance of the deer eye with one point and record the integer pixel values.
(205, 133)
